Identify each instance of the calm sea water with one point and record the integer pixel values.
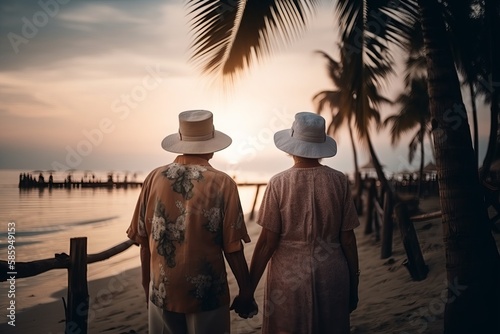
(45, 220)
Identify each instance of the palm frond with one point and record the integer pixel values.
(326, 97)
(414, 110)
(333, 66)
(337, 121)
(349, 11)
(230, 34)
(401, 123)
(400, 17)
(212, 23)
(416, 67)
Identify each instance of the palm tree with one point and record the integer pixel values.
(414, 102)
(472, 259)
(414, 112)
(345, 102)
(416, 64)
(366, 63)
(227, 40)
(340, 114)
(475, 50)
(490, 86)
(464, 27)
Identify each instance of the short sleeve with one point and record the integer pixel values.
(269, 212)
(350, 217)
(137, 231)
(234, 223)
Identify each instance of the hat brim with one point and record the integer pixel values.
(173, 143)
(284, 141)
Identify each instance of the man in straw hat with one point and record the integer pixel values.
(187, 216)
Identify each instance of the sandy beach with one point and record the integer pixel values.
(390, 302)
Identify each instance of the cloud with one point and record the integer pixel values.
(96, 13)
(84, 50)
(33, 36)
(19, 103)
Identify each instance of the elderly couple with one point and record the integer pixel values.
(188, 218)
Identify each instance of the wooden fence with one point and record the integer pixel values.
(77, 305)
(254, 204)
(383, 212)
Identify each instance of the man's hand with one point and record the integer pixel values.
(146, 292)
(245, 307)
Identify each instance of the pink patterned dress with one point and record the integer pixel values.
(307, 287)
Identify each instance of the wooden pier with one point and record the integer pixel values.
(69, 185)
(26, 181)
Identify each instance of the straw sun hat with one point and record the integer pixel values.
(196, 135)
(306, 138)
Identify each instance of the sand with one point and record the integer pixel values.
(390, 302)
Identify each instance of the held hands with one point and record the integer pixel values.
(245, 307)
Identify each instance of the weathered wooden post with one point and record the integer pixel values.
(376, 220)
(358, 196)
(415, 264)
(254, 202)
(77, 308)
(372, 193)
(387, 226)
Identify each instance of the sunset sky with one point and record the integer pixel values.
(98, 84)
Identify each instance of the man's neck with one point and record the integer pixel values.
(206, 156)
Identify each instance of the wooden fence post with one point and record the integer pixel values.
(376, 221)
(387, 226)
(358, 198)
(77, 308)
(252, 213)
(372, 193)
(415, 263)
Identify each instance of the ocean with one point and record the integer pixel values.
(46, 219)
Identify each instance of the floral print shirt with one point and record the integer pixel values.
(189, 214)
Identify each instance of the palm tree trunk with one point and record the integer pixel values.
(421, 137)
(491, 9)
(378, 167)
(474, 120)
(354, 150)
(357, 176)
(492, 141)
(472, 259)
(431, 140)
(389, 202)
